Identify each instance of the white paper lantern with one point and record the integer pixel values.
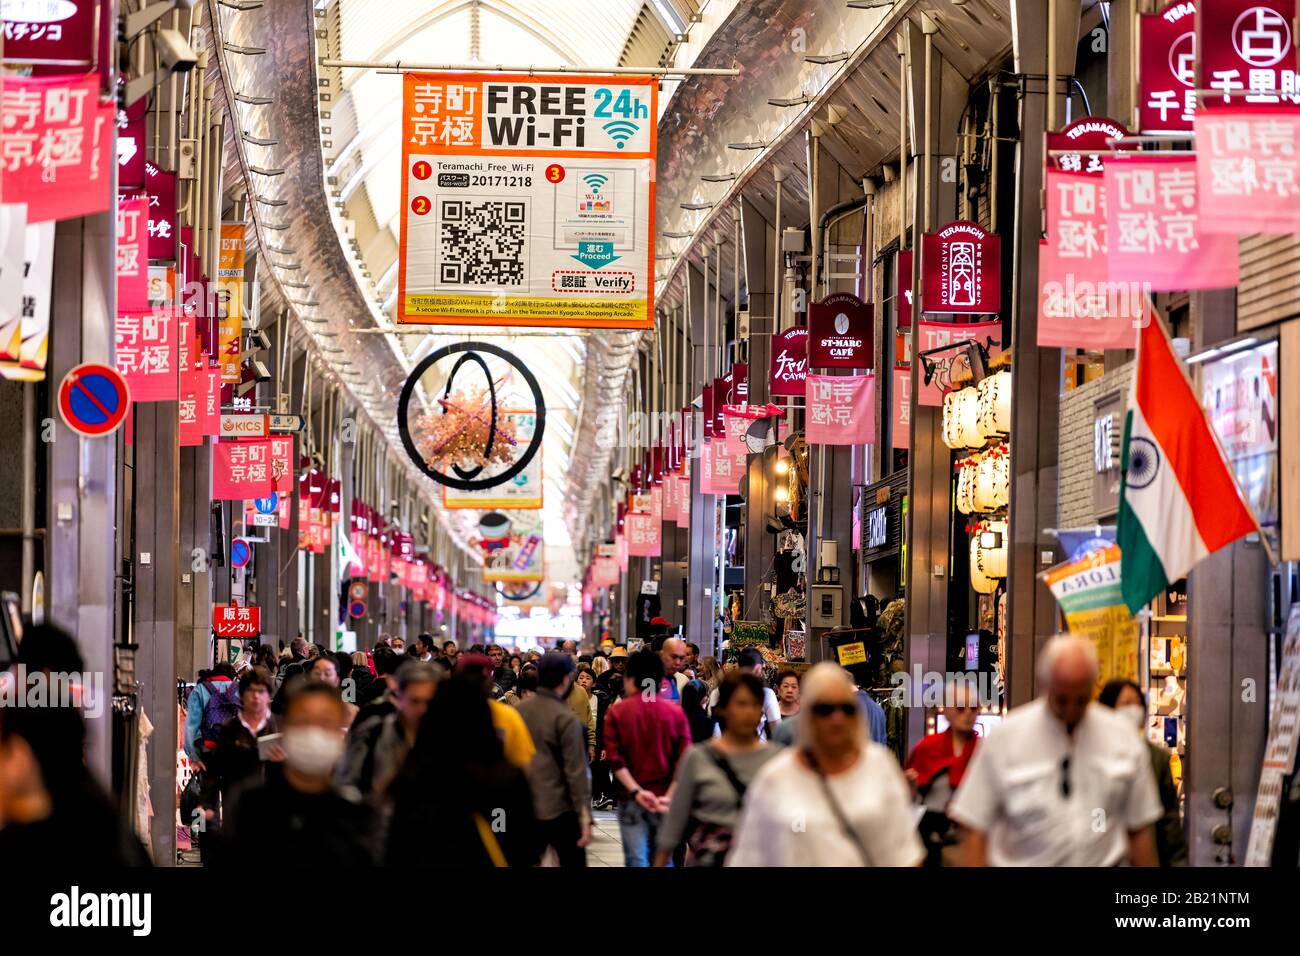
(1002, 477)
(995, 556)
(965, 489)
(995, 404)
(968, 410)
(952, 421)
(980, 581)
(986, 498)
(961, 419)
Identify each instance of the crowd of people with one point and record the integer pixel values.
(425, 754)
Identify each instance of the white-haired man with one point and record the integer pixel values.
(1062, 782)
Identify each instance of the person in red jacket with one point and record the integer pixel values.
(646, 737)
(936, 765)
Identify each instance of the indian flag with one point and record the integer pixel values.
(1179, 499)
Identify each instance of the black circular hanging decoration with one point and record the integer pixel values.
(467, 479)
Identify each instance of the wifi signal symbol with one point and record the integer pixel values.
(620, 131)
(595, 180)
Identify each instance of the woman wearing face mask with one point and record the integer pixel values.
(1125, 697)
(299, 817)
(326, 668)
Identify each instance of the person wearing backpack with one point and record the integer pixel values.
(213, 701)
(704, 801)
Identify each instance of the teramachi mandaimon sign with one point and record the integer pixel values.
(961, 270)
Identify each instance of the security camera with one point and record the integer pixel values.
(260, 372)
(174, 53)
(259, 339)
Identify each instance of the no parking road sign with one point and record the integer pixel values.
(241, 552)
(93, 399)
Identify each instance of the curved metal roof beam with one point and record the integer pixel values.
(516, 17)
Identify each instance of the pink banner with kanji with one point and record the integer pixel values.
(146, 354)
(684, 501)
(1246, 168)
(620, 550)
(54, 146)
(933, 335)
(902, 389)
(1153, 224)
(841, 409)
(133, 254)
(282, 470)
(241, 470)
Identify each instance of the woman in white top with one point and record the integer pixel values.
(835, 798)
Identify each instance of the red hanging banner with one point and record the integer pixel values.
(146, 354)
(54, 147)
(161, 188)
(1247, 47)
(133, 254)
(241, 470)
(904, 278)
(229, 620)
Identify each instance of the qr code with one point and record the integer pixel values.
(482, 242)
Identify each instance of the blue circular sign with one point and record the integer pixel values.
(267, 506)
(241, 552)
(357, 609)
(93, 399)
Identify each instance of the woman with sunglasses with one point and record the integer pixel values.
(835, 798)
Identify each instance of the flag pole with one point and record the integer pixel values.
(1232, 472)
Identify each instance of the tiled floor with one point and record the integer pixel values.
(606, 847)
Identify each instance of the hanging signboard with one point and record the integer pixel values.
(841, 409)
(1153, 223)
(528, 201)
(160, 186)
(523, 556)
(961, 270)
(901, 433)
(1247, 47)
(523, 491)
(146, 354)
(841, 333)
(231, 621)
(1088, 591)
(1248, 170)
(1167, 75)
(25, 332)
(133, 255)
(54, 36)
(241, 470)
(56, 181)
(932, 335)
(230, 285)
(789, 361)
(904, 260)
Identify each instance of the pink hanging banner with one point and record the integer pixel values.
(901, 433)
(789, 361)
(147, 355)
(1078, 305)
(644, 527)
(241, 470)
(706, 467)
(933, 335)
(684, 501)
(621, 550)
(133, 254)
(727, 468)
(669, 489)
(54, 147)
(841, 409)
(1153, 224)
(1246, 168)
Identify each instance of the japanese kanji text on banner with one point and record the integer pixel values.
(528, 202)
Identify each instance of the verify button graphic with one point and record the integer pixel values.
(609, 283)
